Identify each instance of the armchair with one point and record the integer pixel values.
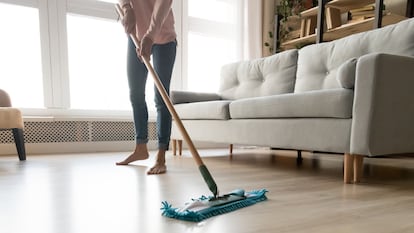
(11, 119)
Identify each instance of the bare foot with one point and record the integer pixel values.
(140, 153)
(159, 167)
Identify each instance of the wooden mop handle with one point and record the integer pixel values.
(165, 97)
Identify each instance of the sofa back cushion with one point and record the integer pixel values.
(260, 77)
(318, 64)
(346, 73)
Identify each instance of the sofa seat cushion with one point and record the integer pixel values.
(180, 97)
(10, 118)
(208, 110)
(333, 103)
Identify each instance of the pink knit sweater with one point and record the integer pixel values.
(154, 19)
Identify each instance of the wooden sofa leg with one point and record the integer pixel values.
(231, 149)
(180, 147)
(353, 166)
(19, 140)
(348, 162)
(299, 158)
(174, 147)
(358, 167)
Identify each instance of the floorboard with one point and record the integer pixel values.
(87, 193)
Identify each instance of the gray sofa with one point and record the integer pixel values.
(353, 96)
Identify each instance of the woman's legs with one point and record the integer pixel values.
(163, 59)
(137, 78)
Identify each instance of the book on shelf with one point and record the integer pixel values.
(362, 16)
(362, 13)
(370, 7)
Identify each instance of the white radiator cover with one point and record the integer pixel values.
(65, 136)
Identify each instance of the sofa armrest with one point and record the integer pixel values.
(179, 97)
(383, 110)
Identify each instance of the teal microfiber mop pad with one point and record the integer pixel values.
(205, 207)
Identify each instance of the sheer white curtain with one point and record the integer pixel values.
(258, 21)
(252, 45)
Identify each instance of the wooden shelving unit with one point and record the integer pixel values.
(344, 30)
(361, 26)
(313, 22)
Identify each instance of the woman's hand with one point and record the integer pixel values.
(145, 47)
(129, 19)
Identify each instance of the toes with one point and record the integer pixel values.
(157, 170)
(153, 171)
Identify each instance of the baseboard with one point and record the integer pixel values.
(52, 136)
(72, 147)
(91, 147)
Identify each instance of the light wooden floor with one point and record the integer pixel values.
(87, 193)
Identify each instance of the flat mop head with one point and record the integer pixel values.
(205, 207)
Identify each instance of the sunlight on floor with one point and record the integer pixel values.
(83, 193)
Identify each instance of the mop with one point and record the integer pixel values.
(203, 207)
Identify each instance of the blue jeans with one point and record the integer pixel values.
(163, 58)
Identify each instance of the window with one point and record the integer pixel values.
(97, 59)
(212, 35)
(70, 59)
(97, 72)
(214, 10)
(20, 57)
(75, 57)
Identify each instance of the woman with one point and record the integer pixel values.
(153, 23)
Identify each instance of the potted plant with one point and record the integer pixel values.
(288, 16)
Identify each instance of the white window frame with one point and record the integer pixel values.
(54, 48)
(54, 55)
